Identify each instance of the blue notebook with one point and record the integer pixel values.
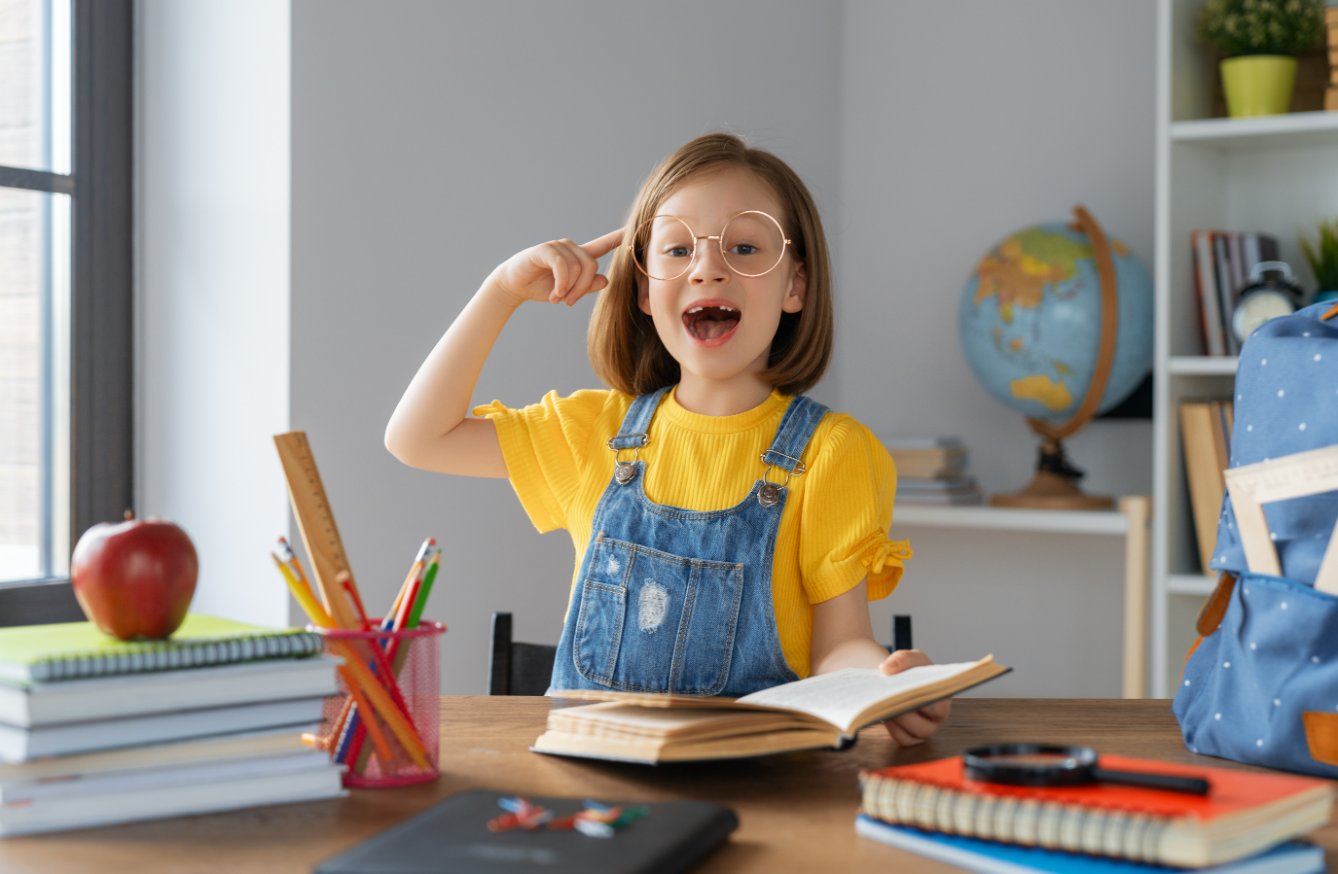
(991, 857)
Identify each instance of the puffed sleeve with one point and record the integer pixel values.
(544, 446)
(847, 511)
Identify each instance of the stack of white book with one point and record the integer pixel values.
(932, 470)
(95, 731)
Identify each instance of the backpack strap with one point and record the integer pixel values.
(1321, 733)
(1210, 617)
(1332, 311)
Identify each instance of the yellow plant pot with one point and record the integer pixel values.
(1258, 84)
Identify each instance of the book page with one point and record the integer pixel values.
(842, 696)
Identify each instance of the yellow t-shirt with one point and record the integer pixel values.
(833, 532)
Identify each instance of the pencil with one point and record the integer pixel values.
(346, 582)
(357, 674)
(399, 724)
(416, 615)
(378, 738)
(315, 612)
(414, 570)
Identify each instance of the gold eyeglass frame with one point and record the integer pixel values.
(719, 238)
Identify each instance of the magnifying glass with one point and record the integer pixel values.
(1056, 765)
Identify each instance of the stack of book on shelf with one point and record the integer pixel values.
(95, 731)
(1331, 93)
(1247, 822)
(1205, 435)
(1222, 264)
(932, 470)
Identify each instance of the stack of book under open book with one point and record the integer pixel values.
(1244, 825)
(96, 731)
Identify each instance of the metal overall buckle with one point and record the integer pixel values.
(770, 493)
(624, 470)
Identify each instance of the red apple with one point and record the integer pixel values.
(135, 578)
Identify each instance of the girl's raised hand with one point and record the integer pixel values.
(559, 271)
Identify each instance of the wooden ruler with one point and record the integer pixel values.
(316, 521)
(1251, 486)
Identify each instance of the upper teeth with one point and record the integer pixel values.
(699, 309)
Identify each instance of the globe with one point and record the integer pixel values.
(1031, 325)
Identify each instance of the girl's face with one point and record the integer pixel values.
(717, 324)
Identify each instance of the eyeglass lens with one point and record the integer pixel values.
(752, 244)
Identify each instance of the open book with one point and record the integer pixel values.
(821, 711)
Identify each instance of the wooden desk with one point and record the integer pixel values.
(796, 811)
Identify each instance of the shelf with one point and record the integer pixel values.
(1191, 584)
(1013, 519)
(1204, 365)
(1292, 129)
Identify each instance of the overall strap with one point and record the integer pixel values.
(632, 434)
(796, 428)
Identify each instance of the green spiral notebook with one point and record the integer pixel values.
(77, 650)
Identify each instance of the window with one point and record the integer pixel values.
(65, 327)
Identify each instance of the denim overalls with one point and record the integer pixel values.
(675, 600)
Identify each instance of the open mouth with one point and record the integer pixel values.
(710, 322)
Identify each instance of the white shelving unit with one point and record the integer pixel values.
(1130, 521)
(1277, 175)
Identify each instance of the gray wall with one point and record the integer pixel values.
(429, 141)
(962, 122)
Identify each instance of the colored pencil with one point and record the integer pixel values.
(356, 673)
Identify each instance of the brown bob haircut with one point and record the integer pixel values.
(622, 344)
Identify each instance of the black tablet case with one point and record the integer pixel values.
(453, 836)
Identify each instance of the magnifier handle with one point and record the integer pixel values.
(1193, 785)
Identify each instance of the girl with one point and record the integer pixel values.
(728, 530)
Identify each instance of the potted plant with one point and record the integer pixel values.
(1322, 256)
(1259, 41)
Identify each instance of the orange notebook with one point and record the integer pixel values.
(1243, 813)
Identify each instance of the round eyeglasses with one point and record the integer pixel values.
(752, 243)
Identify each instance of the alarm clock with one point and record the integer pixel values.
(1271, 293)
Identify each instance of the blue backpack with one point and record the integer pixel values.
(1261, 684)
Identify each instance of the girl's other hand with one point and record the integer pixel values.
(910, 729)
(559, 271)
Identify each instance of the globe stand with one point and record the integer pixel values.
(1055, 485)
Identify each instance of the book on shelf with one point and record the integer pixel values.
(994, 857)
(1205, 287)
(944, 490)
(73, 650)
(927, 457)
(826, 710)
(923, 441)
(1222, 261)
(1244, 812)
(22, 744)
(1205, 432)
(219, 748)
(293, 778)
(1226, 289)
(36, 704)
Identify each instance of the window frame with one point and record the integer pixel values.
(101, 290)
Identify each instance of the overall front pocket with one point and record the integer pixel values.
(650, 621)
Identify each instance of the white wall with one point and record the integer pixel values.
(211, 288)
(429, 141)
